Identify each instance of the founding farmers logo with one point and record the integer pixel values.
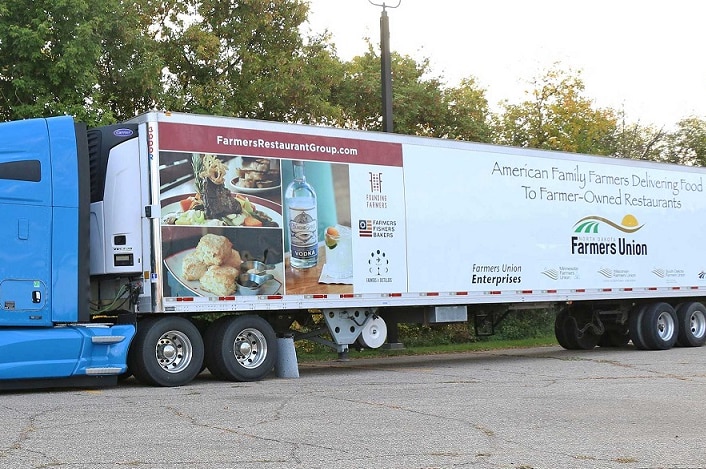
(590, 239)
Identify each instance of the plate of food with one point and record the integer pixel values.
(253, 175)
(213, 204)
(243, 210)
(213, 268)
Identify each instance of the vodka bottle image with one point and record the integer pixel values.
(300, 203)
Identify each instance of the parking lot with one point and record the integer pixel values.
(519, 408)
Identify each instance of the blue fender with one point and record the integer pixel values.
(64, 351)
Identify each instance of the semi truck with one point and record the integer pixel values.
(172, 243)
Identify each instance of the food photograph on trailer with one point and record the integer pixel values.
(221, 225)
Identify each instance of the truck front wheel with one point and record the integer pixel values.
(241, 348)
(166, 351)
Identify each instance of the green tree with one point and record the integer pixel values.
(248, 59)
(636, 141)
(421, 105)
(467, 115)
(48, 55)
(557, 116)
(109, 60)
(358, 93)
(687, 144)
(131, 63)
(98, 61)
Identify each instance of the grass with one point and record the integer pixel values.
(491, 344)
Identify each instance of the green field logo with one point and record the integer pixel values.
(590, 224)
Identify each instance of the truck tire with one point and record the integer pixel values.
(691, 318)
(635, 328)
(166, 351)
(562, 326)
(212, 348)
(568, 334)
(241, 348)
(659, 326)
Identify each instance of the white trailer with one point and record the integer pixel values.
(266, 223)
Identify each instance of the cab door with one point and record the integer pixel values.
(25, 224)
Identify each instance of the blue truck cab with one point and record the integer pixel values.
(46, 329)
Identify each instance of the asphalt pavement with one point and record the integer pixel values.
(519, 408)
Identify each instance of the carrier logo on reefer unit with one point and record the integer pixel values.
(122, 132)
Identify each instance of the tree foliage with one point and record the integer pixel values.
(687, 144)
(248, 59)
(48, 52)
(421, 104)
(132, 56)
(557, 116)
(358, 95)
(467, 114)
(636, 141)
(109, 60)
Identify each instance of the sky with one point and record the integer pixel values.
(646, 57)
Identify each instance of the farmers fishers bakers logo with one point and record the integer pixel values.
(376, 228)
(594, 235)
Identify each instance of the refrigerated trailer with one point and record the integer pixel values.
(174, 242)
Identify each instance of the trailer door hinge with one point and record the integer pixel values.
(152, 211)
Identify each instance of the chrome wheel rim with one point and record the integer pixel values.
(250, 348)
(174, 351)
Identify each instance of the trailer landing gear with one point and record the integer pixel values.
(346, 327)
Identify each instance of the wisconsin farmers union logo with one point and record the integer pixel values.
(602, 244)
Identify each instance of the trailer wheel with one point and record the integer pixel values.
(635, 328)
(659, 326)
(691, 318)
(563, 323)
(213, 347)
(568, 334)
(241, 348)
(166, 351)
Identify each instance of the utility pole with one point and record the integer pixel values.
(385, 66)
